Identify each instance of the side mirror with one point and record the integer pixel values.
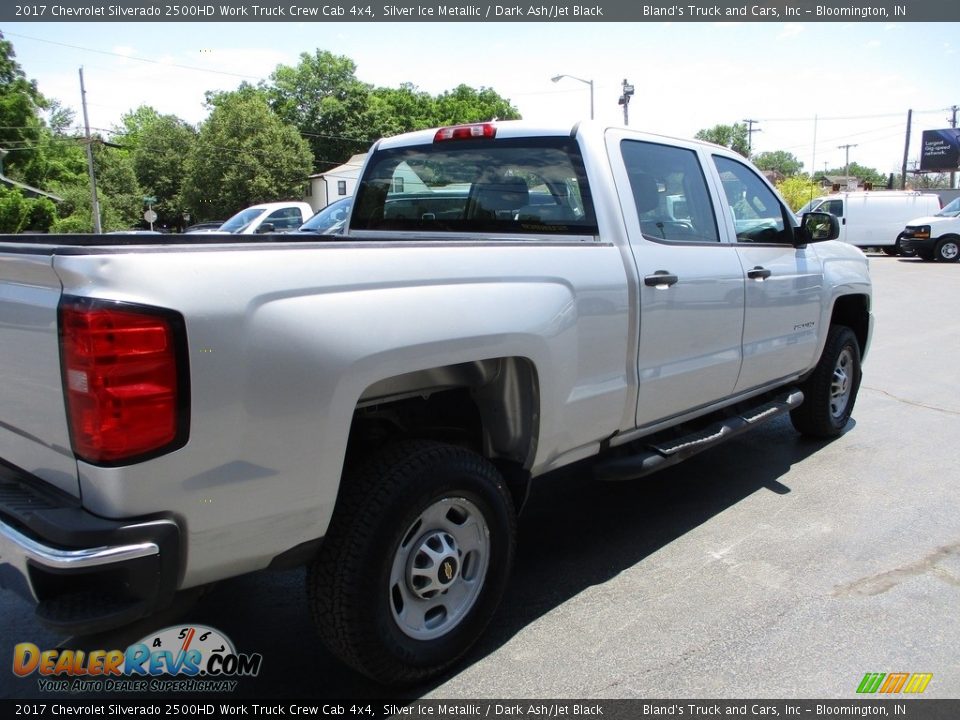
(817, 227)
(266, 227)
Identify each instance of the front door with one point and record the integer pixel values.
(784, 284)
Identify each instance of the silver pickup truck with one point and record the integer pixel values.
(504, 301)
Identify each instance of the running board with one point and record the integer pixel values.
(654, 455)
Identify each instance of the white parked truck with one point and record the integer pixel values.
(375, 404)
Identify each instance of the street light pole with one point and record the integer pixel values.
(557, 78)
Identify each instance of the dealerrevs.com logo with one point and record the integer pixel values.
(195, 658)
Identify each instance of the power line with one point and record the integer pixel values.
(132, 57)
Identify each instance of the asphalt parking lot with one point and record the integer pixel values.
(769, 567)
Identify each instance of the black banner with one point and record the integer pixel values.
(941, 150)
(884, 11)
(900, 707)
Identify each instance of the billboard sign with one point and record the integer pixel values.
(941, 150)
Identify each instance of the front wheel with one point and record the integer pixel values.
(415, 562)
(830, 393)
(948, 249)
(903, 251)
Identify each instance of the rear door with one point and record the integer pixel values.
(691, 284)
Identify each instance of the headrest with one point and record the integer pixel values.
(646, 194)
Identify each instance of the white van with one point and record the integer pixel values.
(877, 218)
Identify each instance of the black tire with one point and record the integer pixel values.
(901, 250)
(415, 561)
(925, 255)
(830, 393)
(948, 249)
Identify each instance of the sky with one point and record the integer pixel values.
(811, 87)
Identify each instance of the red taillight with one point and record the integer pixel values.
(122, 379)
(466, 132)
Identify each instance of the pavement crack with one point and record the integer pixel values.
(915, 403)
(882, 582)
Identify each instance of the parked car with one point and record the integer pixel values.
(268, 218)
(875, 219)
(936, 237)
(330, 220)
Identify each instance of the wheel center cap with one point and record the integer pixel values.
(447, 571)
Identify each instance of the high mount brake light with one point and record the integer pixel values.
(125, 380)
(466, 132)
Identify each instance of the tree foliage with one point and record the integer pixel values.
(341, 116)
(158, 146)
(779, 161)
(731, 136)
(799, 190)
(243, 154)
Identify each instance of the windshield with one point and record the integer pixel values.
(331, 220)
(951, 210)
(517, 186)
(240, 221)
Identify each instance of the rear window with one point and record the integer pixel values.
(519, 186)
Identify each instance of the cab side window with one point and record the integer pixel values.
(834, 207)
(285, 218)
(758, 215)
(669, 192)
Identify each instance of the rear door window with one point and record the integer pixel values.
(517, 185)
(669, 192)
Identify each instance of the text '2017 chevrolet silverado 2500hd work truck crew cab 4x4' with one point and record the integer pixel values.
(375, 403)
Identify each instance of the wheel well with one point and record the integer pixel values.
(490, 407)
(854, 312)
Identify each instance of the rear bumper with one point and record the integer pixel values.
(84, 573)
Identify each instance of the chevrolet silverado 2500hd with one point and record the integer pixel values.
(504, 301)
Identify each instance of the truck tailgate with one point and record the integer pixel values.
(33, 424)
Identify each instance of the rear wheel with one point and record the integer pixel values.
(830, 393)
(415, 562)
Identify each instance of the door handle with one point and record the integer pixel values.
(759, 273)
(661, 278)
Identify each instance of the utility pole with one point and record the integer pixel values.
(625, 100)
(93, 178)
(750, 132)
(846, 164)
(906, 152)
(953, 124)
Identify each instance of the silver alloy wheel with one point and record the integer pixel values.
(949, 250)
(439, 568)
(841, 386)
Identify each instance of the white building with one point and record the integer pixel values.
(327, 187)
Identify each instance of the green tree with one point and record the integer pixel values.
(465, 104)
(159, 146)
(340, 116)
(243, 154)
(799, 190)
(731, 136)
(322, 97)
(779, 161)
(20, 107)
